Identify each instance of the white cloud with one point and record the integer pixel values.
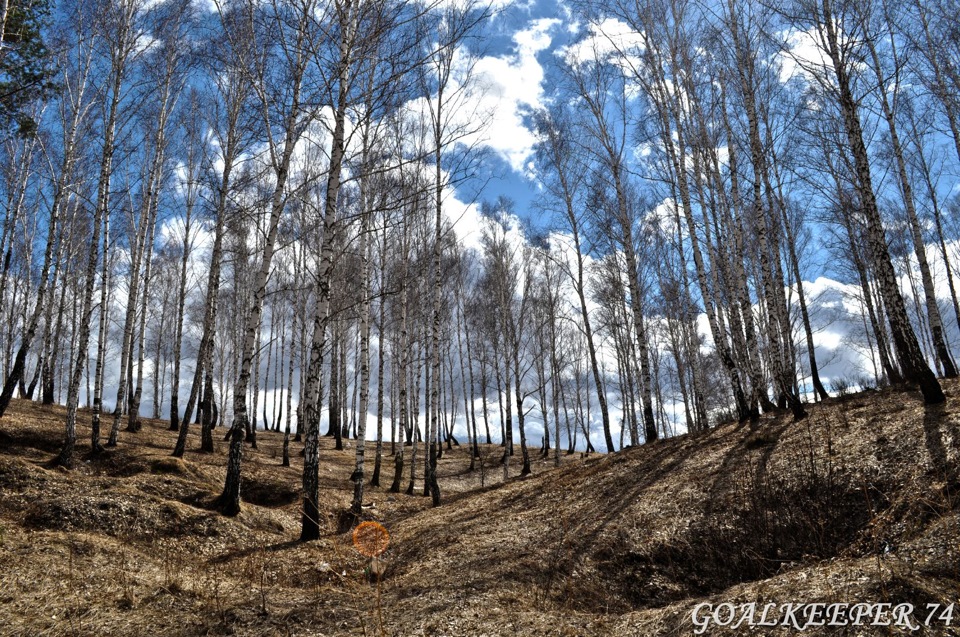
(606, 38)
(805, 56)
(466, 220)
(512, 86)
(488, 98)
(663, 218)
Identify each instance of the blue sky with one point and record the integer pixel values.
(519, 45)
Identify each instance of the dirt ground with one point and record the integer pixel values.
(855, 504)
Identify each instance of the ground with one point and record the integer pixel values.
(855, 504)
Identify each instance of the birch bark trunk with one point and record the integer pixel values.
(310, 519)
(124, 42)
(77, 113)
(779, 332)
(668, 113)
(915, 369)
(913, 221)
(95, 445)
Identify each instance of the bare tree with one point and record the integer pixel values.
(117, 27)
(232, 130)
(73, 110)
(361, 36)
(292, 26)
(192, 166)
(839, 35)
(601, 88)
(165, 66)
(889, 78)
(448, 87)
(560, 158)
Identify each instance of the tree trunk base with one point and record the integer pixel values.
(63, 459)
(346, 520)
(310, 522)
(931, 389)
(227, 504)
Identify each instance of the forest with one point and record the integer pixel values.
(249, 215)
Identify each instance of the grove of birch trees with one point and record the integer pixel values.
(245, 216)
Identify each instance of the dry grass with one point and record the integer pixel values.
(856, 503)
(126, 544)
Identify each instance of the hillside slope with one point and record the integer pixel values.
(857, 503)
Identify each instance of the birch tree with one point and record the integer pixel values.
(118, 29)
(285, 115)
(166, 66)
(359, 34)
(73, 110)
(839, 35)
(447, 81)
(564, 173)
(231, 128)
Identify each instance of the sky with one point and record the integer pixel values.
(519, 45)
(523, 43)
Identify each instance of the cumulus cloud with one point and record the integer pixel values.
(512, 87)
(803, 58)
(604, 39)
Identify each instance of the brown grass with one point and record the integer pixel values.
(856, 503)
